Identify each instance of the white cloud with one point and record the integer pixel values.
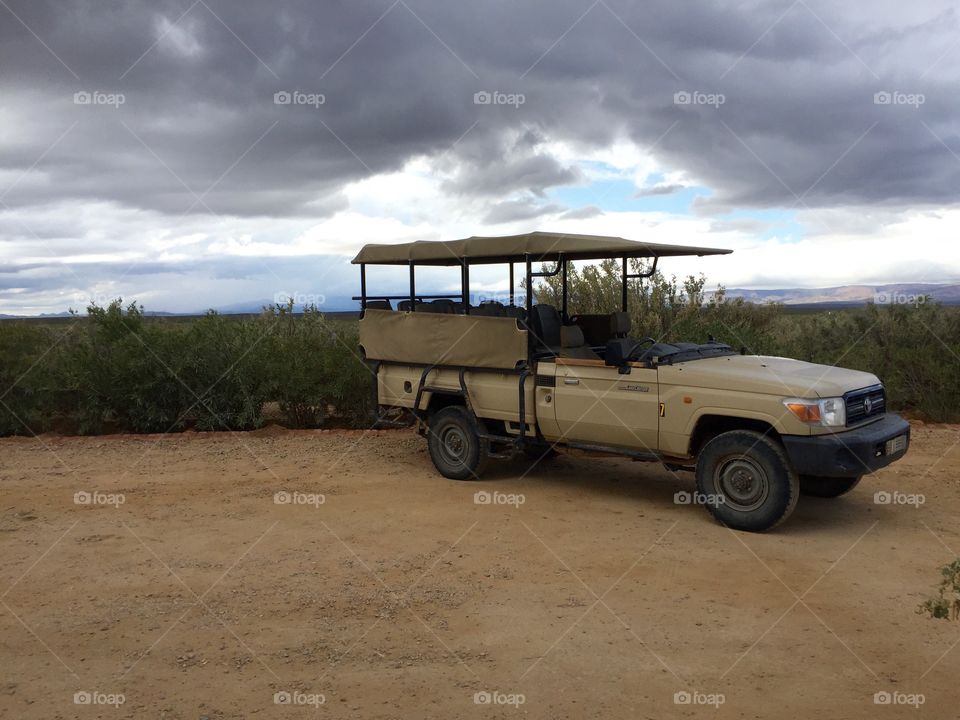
(68, 241)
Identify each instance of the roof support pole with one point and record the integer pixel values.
(465, 286)
(363, 286)
(563, 314)
(512, 296)
(623, 287)
(413, 287)
(529, 297)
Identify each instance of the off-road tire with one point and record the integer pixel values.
(456, 448)
(749, 480)
(827, 487)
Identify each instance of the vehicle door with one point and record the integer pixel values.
(595, 404)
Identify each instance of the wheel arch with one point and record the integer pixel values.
(437, 400)
(710, 423)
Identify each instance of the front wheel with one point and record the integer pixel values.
(746, 481)
(827, 487)
(456, 448)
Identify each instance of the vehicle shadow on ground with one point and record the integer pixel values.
(655, 489)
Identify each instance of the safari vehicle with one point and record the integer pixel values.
(498, 379)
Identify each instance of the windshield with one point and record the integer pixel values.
(669, 353)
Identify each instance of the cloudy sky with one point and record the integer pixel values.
(203, 153)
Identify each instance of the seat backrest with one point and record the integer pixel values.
(545, 325)
(619, 324)
(596, 328)
(488, 309)
(573, 345)
(571, 337)
(379, 305)
(403, 306)
(441, 306)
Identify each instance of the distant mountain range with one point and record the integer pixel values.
(842, 296)
(852, 294)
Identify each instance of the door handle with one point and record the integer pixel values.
(571, 381)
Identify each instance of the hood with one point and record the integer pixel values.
(765, 374)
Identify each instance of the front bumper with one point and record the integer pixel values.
(848, 453)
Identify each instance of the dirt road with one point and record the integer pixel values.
(213, 575)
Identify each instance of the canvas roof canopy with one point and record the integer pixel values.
(539, 246)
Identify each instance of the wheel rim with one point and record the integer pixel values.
(742, 482)
(454, 445)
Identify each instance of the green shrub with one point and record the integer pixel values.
(118, 370)
(27, 384)
(226, 362)
(314, 368)
(124, 374)
(939, 606)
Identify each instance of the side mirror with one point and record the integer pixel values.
(615, 355)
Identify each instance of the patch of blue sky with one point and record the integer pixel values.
(621, 195)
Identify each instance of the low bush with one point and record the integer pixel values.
(119, 370)
(313, 368)
(946, 603)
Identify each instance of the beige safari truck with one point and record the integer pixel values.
(497, 379)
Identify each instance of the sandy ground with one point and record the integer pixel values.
(399, 596)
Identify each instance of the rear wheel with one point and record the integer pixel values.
(745, 480)
(827, 487)
(456, 448)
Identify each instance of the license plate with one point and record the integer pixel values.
(897, 444)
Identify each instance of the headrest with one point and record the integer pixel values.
(571, 336)
(619, 323)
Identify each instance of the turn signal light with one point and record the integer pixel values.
(807, 412)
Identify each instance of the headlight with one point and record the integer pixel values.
(829, 412)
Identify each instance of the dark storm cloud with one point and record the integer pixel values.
(768, 103)
(184, 286)
(513, 210)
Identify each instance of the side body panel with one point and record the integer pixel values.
(493, 395)
(684, 403)
(594, 403)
